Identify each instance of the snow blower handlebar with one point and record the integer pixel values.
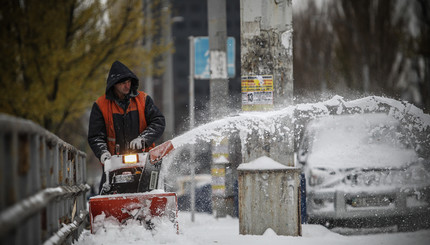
(160, 151)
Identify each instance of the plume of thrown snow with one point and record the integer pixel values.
(261, 122)
(290, 122)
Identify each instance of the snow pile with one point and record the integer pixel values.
(262, 163)
(208, 230)
(366, 141)
(133, 232)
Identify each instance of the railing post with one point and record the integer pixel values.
(2, 172)
(34, 186)
(52, 181)
(44, 174)
(14, 179)
(61, 182)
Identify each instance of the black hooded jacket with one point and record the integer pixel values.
(126, 125)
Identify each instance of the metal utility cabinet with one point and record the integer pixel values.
(269, 197)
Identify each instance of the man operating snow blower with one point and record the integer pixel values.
(124, 123)
(123, 120)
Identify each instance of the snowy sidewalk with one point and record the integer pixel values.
(208, 230)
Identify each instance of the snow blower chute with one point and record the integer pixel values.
(130, 190)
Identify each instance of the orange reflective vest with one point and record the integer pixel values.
(109, 107)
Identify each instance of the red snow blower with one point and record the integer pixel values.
(130, 190)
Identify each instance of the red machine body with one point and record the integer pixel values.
(126, 206)
(130, 191)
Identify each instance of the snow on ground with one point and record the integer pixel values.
(208, 230)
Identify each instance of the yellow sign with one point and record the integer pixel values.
(218, 181)
(257, 92)
(257, 83)
(218, 172)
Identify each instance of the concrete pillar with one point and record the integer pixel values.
(168, 97)
(148, 82)
(219, 95)
(217, 29)
(267, 58)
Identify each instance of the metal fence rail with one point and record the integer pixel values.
(42, 185)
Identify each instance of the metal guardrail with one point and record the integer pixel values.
(42, 185)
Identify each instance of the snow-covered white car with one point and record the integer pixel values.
(362, 168)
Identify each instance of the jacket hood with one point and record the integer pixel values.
(118, 73)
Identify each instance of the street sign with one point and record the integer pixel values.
(201, 58)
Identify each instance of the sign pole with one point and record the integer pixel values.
(191, 110)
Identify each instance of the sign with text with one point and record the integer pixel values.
(257, 92)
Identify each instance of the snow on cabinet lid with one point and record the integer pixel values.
(262, 163)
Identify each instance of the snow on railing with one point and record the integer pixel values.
(42, 185)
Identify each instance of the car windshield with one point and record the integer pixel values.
(361, 140)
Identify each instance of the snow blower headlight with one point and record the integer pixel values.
(130, 159)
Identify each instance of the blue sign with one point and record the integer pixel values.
(201, 58)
